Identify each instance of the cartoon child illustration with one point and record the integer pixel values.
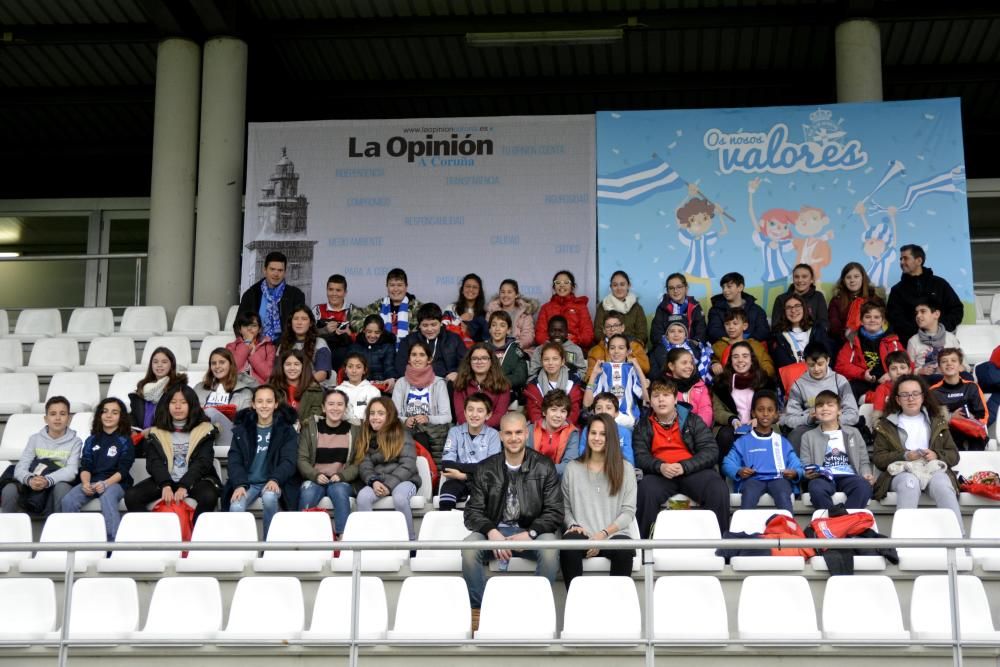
(772, 234)
(812, 248)
(880, 244)
(694, 220)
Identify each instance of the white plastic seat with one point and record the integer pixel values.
(973, 462)
(994, 313)
(862, 607)
(687, 525)
(82, 423)
(83, 390)
(928, 522)
(14, 528)
(703, 616)
(11, 355)
(144, 527)
(331, 617)
(36, 323)
(4, 323)
(297, 527)
(505, 617)
(108, 355)
(89, 323)
(986, 524)
(602, 564)
(227, 327)
(53, 355)
(977, 341)
(184, 608)
(776, 607)
(374, 527)
(16, 432)
(179, 345)
(74, 527)
(267, 608)
(754, 521)
(436, 526)
(618, 602)
(18, 394)
(29, 608)
(208, 344)
(418, 501)
(124, 383)
(104, 608)
(432, 608)
(196, 322)
(930, 614)
(220, 527)
(141, 322)
(861, 563)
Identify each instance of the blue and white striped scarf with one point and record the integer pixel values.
(402, 318)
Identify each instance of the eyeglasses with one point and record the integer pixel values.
(483, 360)
(909, 395)
(561, 282)
(674, 288)
(614, 325)
(793, 306)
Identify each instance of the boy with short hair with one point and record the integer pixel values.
(558, 332)
(395, 308)
(898, 364)
(554, 436)
(733, 296)
(48, 466)
(835, 458)
(931, 337)
(962, 399)
(736, 326)
(606, 403)
(762, 461)
(799, 416)
(466, 446)
(677, 336)
(862, 359)
(333, 319)
(447, 347)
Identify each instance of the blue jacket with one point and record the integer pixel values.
(381, 356)
(624, 439)
(282, 454)
(464, 452)
(448, 351)
(103, 455)
(751, 452)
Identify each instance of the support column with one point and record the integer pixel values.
(859, 61)
(220, 173)
(175, 161)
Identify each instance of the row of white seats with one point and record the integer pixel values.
(106, 355)
(988, 308)
(931, 523)
(137, 322)
(602, 609)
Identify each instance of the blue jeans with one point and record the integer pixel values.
(268, 498)
(339, 494)
(752, 489)
(76, 499)
(474, 562)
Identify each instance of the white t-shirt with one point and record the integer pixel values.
(917, 434)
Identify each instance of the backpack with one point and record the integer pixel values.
(426, 455)
(845, 525)
(779, 526)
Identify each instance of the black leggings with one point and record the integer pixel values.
(204, 492)
(571, 560)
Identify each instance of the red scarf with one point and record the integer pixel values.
(420, 378)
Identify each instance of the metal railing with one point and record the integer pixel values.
(137, 256)
(647, 643)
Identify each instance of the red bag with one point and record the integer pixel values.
(781, 526)
(336, 552)
(422, 452)
(968, 426)
(847, 525)
(185, 515)
(991, 491)
(790, 373)
(227, 410)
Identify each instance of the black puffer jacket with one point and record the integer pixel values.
(540, 498)
(697, 437)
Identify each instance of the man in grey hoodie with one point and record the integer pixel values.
(55, 446)
(799, 415)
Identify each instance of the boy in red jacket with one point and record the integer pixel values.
(862, 359)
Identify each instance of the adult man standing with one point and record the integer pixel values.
(515, 497)
(917, 284)
(271, 298)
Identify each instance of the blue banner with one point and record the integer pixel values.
(759, 190)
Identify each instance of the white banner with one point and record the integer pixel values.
(501, 197)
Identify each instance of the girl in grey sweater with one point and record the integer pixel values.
(599, 494)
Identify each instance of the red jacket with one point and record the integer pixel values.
(851, 359)
(261, 362)
(533, 402)
(578, 323)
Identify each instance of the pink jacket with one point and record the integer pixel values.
(523, 318)
(261, 362)
(701, 402)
